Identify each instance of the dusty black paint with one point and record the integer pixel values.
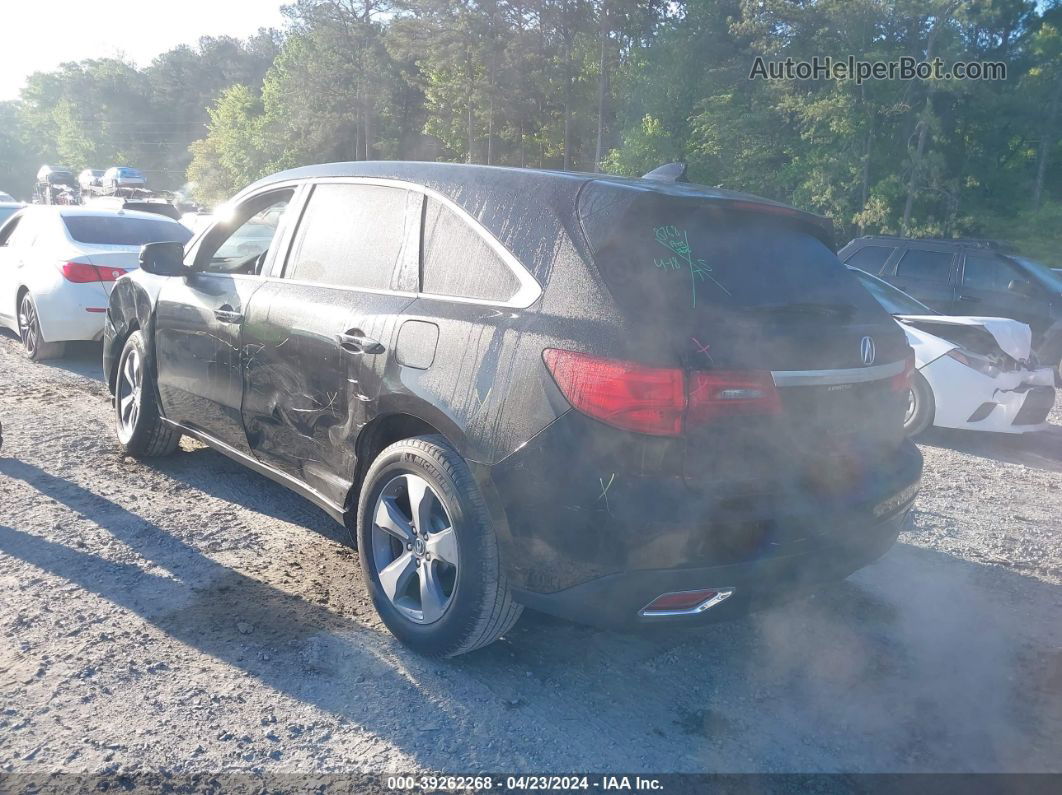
(292, 387)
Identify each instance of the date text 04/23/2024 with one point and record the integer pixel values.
(482, 783)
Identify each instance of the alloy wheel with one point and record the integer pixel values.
(912, 407)
(29, 326)
(414, 549)
(130, 388)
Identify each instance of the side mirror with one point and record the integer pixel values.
(1020, 286)
(162, 259)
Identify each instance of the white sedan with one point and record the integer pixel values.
(58, 265)
(973, 373)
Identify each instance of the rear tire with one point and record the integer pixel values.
(140, 429)
(29, 329)
(424, 528)
(922, 409)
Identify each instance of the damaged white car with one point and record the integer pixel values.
(973, 373)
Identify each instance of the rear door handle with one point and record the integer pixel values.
(226, 314)
(973, 299)
(355, 342)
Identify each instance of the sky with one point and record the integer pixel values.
(38, 35)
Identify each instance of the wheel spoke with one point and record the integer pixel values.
(127, 404)
(129, 376)
(390, 519)
(134, 414)
(395, 576)
(443, 545)
(421, 499)
(432, 598)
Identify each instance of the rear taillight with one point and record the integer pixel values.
(902, 381)
(109, 274)
(624, 394)
(80, 272)
(658, 401)
(717, 394)
(83, 272)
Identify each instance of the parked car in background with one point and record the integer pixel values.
(973, 373)
(56, 186)
(621, 401)
(7, 198)
(957, 277)
(57, 266)
(90, 180)
(118, 177)
(197, 220)
(158, 206)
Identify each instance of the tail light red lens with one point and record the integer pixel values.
(718, 394)
(80, 272)
(109, 274)
(83, 272)
(902, 381)
(658, 401)
(624, 394)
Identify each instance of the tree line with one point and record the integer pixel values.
(618, 86)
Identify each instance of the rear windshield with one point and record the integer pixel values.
(665, 254)
(106, 230)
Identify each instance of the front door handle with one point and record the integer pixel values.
(226, 314)
(354, 341)
(973, 299)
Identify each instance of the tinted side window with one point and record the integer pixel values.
(457, 261)
(26, 232)
(7, 236)
(927, 266)
(350, 236)
(870, 258)
(987, 272)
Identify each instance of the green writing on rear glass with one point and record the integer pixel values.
(677, 242)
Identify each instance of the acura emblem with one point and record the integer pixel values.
(866, 350)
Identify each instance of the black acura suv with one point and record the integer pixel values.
(621, 401)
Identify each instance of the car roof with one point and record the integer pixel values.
(495, 195)
(79, 212)
(972, 242)
(424, 172)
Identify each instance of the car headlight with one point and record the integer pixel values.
(973, 361)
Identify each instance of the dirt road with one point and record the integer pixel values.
(189, 615)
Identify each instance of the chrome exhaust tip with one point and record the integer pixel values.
(685, 603)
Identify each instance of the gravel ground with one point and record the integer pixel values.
(188, 615)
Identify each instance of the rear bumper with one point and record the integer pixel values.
(593, 524)
(618, 599)
(72, 312)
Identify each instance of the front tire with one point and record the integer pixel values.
(428, 552)
(29, 329)
(921, 407)
(141, 431)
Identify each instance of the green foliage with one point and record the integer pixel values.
(619, 85)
